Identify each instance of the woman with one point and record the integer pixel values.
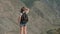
(23, 26)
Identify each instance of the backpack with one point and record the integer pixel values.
(24, 17)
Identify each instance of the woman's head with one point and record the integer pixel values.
(24, 9)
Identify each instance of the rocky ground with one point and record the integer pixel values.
(44, 16)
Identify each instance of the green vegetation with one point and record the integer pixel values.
(28, 3)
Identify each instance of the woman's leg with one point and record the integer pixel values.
(25, 29)
(21, 29)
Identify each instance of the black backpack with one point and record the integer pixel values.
(24, 17)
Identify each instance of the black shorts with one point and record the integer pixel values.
(23, 23)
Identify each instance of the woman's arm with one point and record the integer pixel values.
(19, 19)
(27, 9)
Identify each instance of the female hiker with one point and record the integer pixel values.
(23, 19)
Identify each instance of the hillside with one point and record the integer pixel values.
(44, 16)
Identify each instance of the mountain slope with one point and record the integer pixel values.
(44, 15)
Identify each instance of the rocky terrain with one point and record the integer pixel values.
(44, 16)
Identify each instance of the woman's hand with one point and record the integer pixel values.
(27, 10)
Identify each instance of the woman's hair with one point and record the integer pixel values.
(22, 9)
